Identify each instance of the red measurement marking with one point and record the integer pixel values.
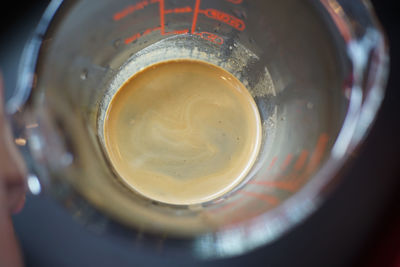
(289, 185)
(205, 35)
(315, 159)
(225, 18)
(210, 37)
(286, 161)
(227, 206)
(318, 152)
(285, 185)
(336, 15)
(195, 14)
(271, 165)
(178, 32)
(235, 1)
(178, 10)
(267, 198)
(295, 182)
(162, 19)
(132, 8)
(138, 35)
(301, 160)
(133, 38)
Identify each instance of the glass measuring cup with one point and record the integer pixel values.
(316, 70)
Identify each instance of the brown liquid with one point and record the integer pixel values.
(182, 132)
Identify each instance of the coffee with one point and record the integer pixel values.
(182, 132)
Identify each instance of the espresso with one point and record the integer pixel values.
(182, 132)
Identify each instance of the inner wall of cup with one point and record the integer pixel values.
(285, 56)
(191, 47)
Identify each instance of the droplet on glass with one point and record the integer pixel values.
(84, 74)
(241, 14)
(117, 43)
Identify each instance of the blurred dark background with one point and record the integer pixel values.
(359, 225)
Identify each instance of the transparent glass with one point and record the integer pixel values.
(316, 70)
